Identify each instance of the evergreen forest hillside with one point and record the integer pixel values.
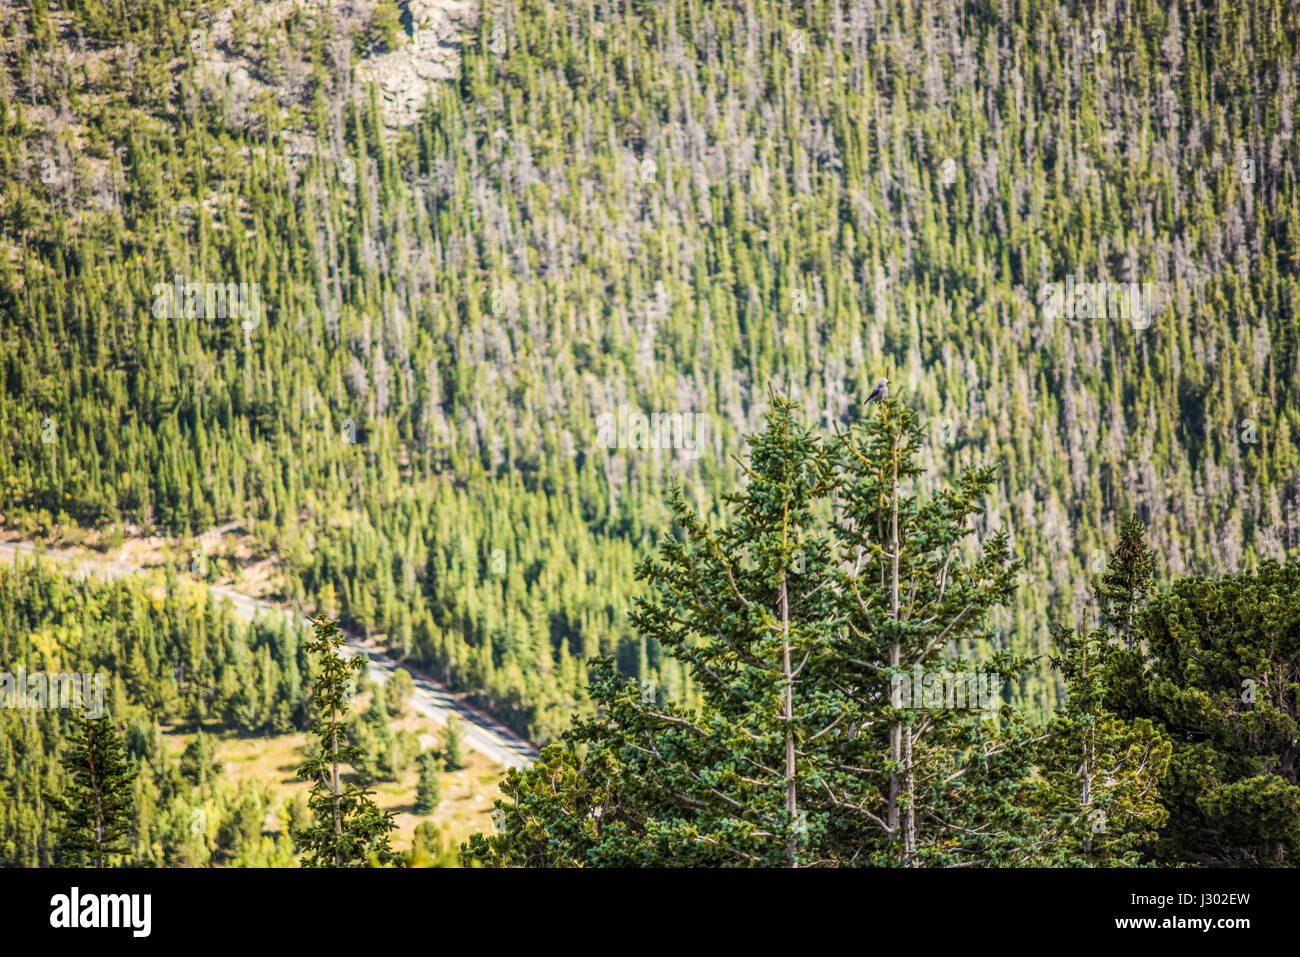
(234, 290)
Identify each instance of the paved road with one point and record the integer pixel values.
(481, 732)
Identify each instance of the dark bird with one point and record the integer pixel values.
(881, 391)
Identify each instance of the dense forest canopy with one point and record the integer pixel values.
(238, 289)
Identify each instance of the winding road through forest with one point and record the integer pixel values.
(481, 732)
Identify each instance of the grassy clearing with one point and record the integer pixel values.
(467, 794)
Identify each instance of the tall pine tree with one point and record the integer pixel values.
(1101, 774)
(348, 829)
(98, 803)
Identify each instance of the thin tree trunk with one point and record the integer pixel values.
(1085, 799)
(900, 755)
(895, 742)
(1085, 796)
(909, 831)
(334, 768)
(791, 795)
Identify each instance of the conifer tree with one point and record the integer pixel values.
(429, 848)
(452, 734)
(1128, 577)
(938, 760)
(428, 791)
(98, 803)
(555, 813)
(746, 606)
(1217, 671)
(1101, 774)
(347, 829)
(398, 691)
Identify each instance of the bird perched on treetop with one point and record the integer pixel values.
(881, 391)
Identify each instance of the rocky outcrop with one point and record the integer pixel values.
(425, 58)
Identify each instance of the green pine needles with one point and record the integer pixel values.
(98, 803)
(803, 620)
(1100, 773)
(347, 828)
